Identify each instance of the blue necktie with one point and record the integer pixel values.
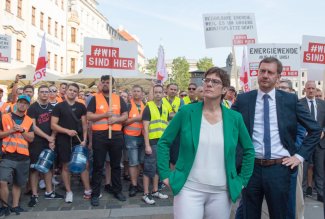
(267, 137)
(312, 109)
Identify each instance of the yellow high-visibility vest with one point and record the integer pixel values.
(158, 123)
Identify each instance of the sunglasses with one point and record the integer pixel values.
(53, 91)
(191, 88)
(183, 95)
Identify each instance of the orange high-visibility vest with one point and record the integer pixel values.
(15, 142)
(59, 99)
(81, 101)
(4, 107)
(134, 129)
(102, 107)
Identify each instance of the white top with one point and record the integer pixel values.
(277, 149)
(208, 173)
(315, 106)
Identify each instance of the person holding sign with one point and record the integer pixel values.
(205, 180)
(102, 115)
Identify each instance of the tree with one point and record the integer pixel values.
(204, 64)
(180, 71)
(152, 66)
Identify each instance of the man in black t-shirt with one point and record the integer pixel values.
(40, 112)
(69, 121)
(102, 116)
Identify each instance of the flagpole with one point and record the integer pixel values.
(234, 67)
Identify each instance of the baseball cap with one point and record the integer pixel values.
(24, 97)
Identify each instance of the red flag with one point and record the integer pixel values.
(244, 72)
(40, 71)
(161, 66)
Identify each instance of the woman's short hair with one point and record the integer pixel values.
(222, 74)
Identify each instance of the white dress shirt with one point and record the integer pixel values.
(315, 106)
(208, 173)
(277, 149)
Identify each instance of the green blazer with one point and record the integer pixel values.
(187, 123)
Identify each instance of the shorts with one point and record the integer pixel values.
(16, 172)
(150, 163)
(35, 149)
(64, 153)
(135, 149)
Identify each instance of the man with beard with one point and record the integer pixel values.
(40, 112)
(102, 115)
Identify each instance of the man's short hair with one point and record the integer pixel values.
(63, 83)
(137, 86)
(272, 60)
(158, 85)
(194, 84)
(74, 85)
(106, 77)
(172, 84)
(42, 86)
(289, 83)
(28, 86)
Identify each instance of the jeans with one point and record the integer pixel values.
(135, 149)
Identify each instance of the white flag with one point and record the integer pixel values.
(244, 81)
(161, 66)
(40, 71)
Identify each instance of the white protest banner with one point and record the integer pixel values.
(313, 56)
(107, 56)
(223, 30)
(288, 54)
(5, 48)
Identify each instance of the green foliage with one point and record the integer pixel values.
(180, 72)
(152, 66)
(204, 64)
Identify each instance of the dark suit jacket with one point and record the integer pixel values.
(289, 112)
(320, 115)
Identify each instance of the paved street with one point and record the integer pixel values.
(111, 208)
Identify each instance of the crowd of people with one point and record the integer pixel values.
(209, 144)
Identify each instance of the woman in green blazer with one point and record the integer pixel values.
(205, 180)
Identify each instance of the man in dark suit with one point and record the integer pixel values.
(316, 107)
(271, 117)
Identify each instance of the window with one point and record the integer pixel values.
(32, 54)
(42, 21)
(49, 60)
(62, 32)
(61, 64)
(303, 74)
(73, 35)
(62, 4)
(19, 8)
(55, 62)
(33, 15)
(56, 29)
(73, 65)
(8, 5)
(49, 25)
(18, 50)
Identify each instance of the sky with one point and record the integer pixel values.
(178, 24)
